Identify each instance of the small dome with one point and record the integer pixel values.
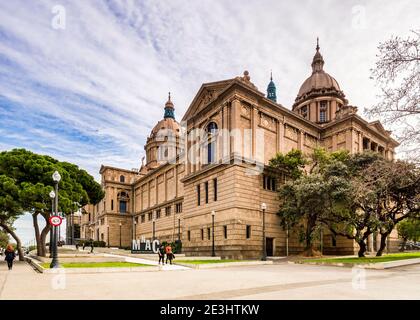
(166, 124)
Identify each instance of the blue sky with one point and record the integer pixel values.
(90, 93)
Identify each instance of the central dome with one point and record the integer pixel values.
(319, 85)
(318, 81)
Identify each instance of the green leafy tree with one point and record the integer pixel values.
(10, 208)
(4, 239)
(409, 229)
(292, 163)
(33, 174)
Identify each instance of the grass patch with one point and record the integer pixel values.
(365, 260)
(97, 265)
(207, 261)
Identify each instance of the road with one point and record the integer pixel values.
(278, 281)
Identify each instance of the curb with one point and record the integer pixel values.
(224, 265)
(376, 266)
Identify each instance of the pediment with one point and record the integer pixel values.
(379, 127)
(207, 93)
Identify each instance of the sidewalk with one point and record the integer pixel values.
(21, 270)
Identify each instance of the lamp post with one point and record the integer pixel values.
(120, 235)
(264, 253)
(134, 230)
(52, 196)
(107, 234)
(213, 253)
(54, 263)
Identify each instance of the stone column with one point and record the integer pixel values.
(254, 126)
(281, 137)
(236, 138)
(301, 139)
(370, 243)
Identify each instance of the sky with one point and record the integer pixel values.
(86, 81)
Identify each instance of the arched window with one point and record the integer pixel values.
(122, 178)
(211, 142)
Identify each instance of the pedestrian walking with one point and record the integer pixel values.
(161, 254)
(91, 246)
(10, 256)
(169, 255)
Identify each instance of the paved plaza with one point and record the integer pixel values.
(277, 281)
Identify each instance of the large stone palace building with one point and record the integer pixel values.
(213, 165)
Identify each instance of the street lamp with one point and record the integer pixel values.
(52, 196)
(120, 235)
(213, 253)
(54, 263)
(264, 253)
(135, 230)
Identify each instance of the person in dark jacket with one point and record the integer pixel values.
(161, 253)
(10, 256)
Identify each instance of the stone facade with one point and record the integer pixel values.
(216, 161)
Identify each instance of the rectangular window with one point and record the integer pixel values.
(206, 190)
(198, 195)
(123, 206)
(202, 234)
(323, 112)
(143, 218)
(167, 211)
(158, 214)
(208, 233)
(150, 216)
(269, 183)
(225, 231)
(112, 205)
(248, 232)
(215, 188)
(178, 208)
(189, 235)
(304, 111)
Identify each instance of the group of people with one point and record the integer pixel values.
(165, 250)
(10, 255)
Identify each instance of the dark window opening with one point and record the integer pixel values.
(215, 188)
(158, 214)
(206, 189)
(202, 234)
(225, 231)
(112, 205)
(248, 232)
(189, 235)
(122, 179)
(198, 195)
(167, 211)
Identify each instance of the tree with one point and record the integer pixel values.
(32, 173)
(4, 239)
(292, 163)
(308, 197)
(409, 229)
(397, 73)
(10, 209)
(398, 189)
